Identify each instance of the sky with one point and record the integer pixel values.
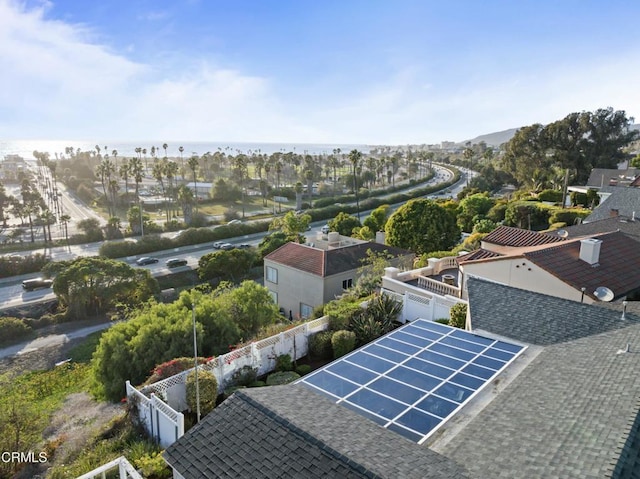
(306, 71)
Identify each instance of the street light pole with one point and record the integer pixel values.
(195, 357)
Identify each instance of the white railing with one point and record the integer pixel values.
(159, 403)
(448, 262)
(438, 287)
(125, 470)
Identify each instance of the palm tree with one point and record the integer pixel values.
(124, 174)
(185, 197)
(114, 153)
(165, 146)
(157, 172)
(308, 175)
(181, 149)
(170, 172)
(354, 158)
(193, 166)
(64, 219)
(47, 218)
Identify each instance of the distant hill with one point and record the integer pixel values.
(500, 137)
(494, 139)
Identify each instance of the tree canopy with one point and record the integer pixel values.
(422, 225)
(291, 224)
(344, 223)
(231, 265)
(160, 332)
(578, 142)
(88, 286)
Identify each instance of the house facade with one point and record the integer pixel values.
(301, 277)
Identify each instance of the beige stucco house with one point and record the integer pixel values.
(303, 276)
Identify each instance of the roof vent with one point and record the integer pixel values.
(590, 250)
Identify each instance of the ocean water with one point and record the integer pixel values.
(25, 148)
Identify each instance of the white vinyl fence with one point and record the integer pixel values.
(125, 470)
(158, 404)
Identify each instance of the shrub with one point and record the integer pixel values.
(458, 315)
(568, 216)
(282, 377)
(554, 196)
(152, 465)
(13, 329)
(283, 363)
(303, 369)
(171, 368)
(320, 345)
(208, 385)
(342, 342)
(340, 312)
(245, 376)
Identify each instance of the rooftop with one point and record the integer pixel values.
(327, 262)
(516, 237)
(622, 201)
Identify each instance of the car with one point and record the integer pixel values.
(244, 246)
(234, 222)
(227, 246)
(217, 244)
(176, 262)
(36, 283)
(325, 230)
(146, 260)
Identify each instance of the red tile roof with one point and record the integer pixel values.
(516, 237)
(329, 262)
(301, 257)
(618, 266)
(477, 254)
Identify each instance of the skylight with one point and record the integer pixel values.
(414, 378)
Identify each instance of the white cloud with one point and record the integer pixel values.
(58, 81)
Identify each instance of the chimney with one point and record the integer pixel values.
(613, 212)
(590, 250)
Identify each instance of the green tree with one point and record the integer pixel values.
(231, 265)
(91, 229)
(88, 286)
(377, 220)
(344, 223)
(421, 226)
(273, 241)
(291, 224)
(471, 207)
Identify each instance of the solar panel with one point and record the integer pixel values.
(414, 378)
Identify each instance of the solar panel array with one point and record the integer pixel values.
(414, 378)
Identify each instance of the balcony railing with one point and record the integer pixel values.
(438, 287)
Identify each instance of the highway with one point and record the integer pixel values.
(12, 294)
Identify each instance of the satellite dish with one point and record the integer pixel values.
(603, 293)
(562, 233)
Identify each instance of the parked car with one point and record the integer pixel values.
(146, 260)
(234, 222)
(227, 246)
(176, 262)
(325, 230)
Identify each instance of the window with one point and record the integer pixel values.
(347, 283)
(274, 296)
(305, 310)
(272, 275)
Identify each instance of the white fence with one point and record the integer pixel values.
(158, 404)
(423, 305)
(125, 470)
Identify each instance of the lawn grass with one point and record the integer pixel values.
(27, 403)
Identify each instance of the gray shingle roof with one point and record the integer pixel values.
(605, 225)
(535, 318)
(624, 200)
(290, 431)
(573, 412)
